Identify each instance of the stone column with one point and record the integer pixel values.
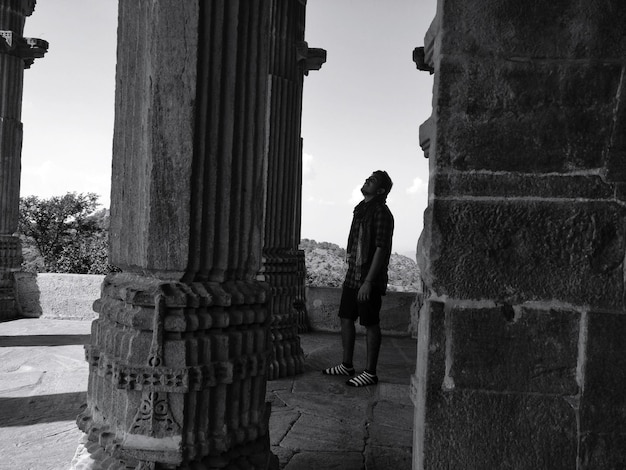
(289, 62)
(179, 352)
(521, 359)
(16, 54)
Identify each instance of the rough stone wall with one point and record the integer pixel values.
(519, 363)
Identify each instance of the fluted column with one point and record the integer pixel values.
(281, 265)
(178, 360)
(16, 54)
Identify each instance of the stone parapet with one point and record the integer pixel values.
(396, 315)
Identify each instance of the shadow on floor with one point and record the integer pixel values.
(44, 340)
(24, 411)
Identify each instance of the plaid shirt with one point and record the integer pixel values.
(372, 227)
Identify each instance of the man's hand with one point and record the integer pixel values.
(364, 291)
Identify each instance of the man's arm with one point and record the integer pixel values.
(377, 263)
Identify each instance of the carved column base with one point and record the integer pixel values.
(177, 375)
(299, 304)
(287, 359)
(91, 455)
(10, 253)
(9, 300)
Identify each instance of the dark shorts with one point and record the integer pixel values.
(368, 312)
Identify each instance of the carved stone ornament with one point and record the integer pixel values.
(154, 417)
(310, 58)
(27, 49)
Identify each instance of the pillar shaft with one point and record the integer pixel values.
(523, 246)
(284, 182)
(281, 263)
(178, 360)
(16, 53)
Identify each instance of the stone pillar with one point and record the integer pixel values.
(179, 352)
(521, 359)
(16, 54)
(289, 61)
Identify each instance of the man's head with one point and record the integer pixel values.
(378, 184)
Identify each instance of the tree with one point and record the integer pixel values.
(67, 232)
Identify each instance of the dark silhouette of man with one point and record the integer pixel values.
(369, 250)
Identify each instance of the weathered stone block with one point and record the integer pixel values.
(153, 136)
(516, 251)
(520, 116)
(431, 345)
(562, 28)
(478, 431)
(534, 351)
(603, 403)
(601, 451)
(484, 184)
(387, 457)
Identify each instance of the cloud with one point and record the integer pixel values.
(356, 195)
(318, 201)
(307, 166)
(418, 186)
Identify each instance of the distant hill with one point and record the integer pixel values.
(326, 267)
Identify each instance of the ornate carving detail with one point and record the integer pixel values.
(154, 417)
(27, 49)
(163, 379)
(10, 252)
(143, 465)
(7, 36)
(420, 60)
(9, 304)
(310, 58)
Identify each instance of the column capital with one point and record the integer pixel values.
(21, 7)
(27, 49)
(310, 58)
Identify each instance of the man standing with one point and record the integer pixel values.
(369, 249)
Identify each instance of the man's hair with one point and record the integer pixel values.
(385, 180)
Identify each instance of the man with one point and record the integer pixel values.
(369, 249)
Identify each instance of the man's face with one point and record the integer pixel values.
(371, 186)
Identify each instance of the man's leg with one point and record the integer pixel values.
(347, 309)
(370, 318)
(348, 336)
(373, 340)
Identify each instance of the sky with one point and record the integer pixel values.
(361, 111)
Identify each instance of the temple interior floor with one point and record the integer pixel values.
(317, 421)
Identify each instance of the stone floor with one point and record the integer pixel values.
(317, 421)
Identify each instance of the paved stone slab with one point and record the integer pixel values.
(316, 382)
(281, 421)
(326, 461)
(394, 393)
(314, 433)
(284, 455)
(39, 446)
(393, 415)
(330, 407)
(318, 421)
(43, 382)
(392, 458)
